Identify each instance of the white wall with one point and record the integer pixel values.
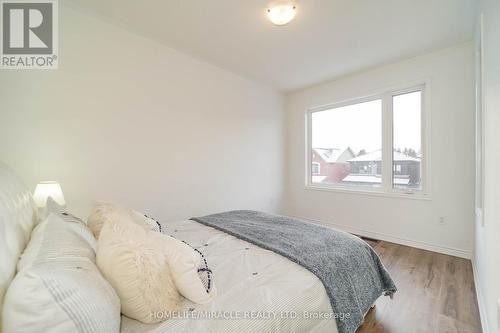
(415, 222)
(487, 244)
(129, 120)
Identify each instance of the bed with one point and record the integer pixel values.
(250, 281)
(257, 289)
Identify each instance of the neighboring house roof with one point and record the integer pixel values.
(376, 155)
(332, 155)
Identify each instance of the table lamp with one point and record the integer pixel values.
(43, 191)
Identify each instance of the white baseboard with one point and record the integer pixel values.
(480, 299)
(395, 239)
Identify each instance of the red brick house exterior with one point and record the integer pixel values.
(331, 163)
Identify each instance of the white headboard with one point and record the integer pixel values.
(17, 219)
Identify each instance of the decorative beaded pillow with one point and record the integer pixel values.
(189, 267)
(205, 273)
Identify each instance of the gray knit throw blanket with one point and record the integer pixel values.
(350, 270)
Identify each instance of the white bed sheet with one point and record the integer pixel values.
(276, 293)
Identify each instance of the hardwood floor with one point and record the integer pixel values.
(435, 293)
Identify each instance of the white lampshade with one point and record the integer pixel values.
(48, 189)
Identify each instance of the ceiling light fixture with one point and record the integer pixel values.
(281, 12)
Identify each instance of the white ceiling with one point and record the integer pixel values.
(327, 39)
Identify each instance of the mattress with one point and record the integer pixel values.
(257, 290)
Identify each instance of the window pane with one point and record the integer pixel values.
(407, 150)
(347, 145)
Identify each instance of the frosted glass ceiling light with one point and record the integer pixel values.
(281, 12)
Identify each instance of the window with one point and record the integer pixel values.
(373, 144)
(316, 168)
(349, 141)
(406, 142)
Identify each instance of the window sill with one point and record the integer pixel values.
(370, 192)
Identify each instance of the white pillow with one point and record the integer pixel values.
(51, 206)
(190, 270)
(136, 265)
(55, 239)
(58, 287)
(61, 211)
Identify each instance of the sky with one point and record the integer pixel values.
(359, 126)
(407, 121)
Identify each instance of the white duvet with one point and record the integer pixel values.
(257, 290)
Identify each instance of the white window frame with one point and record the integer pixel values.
(386, 188)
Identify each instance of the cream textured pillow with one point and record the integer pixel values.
(105, 211)
(136, 265)
(102, 212)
